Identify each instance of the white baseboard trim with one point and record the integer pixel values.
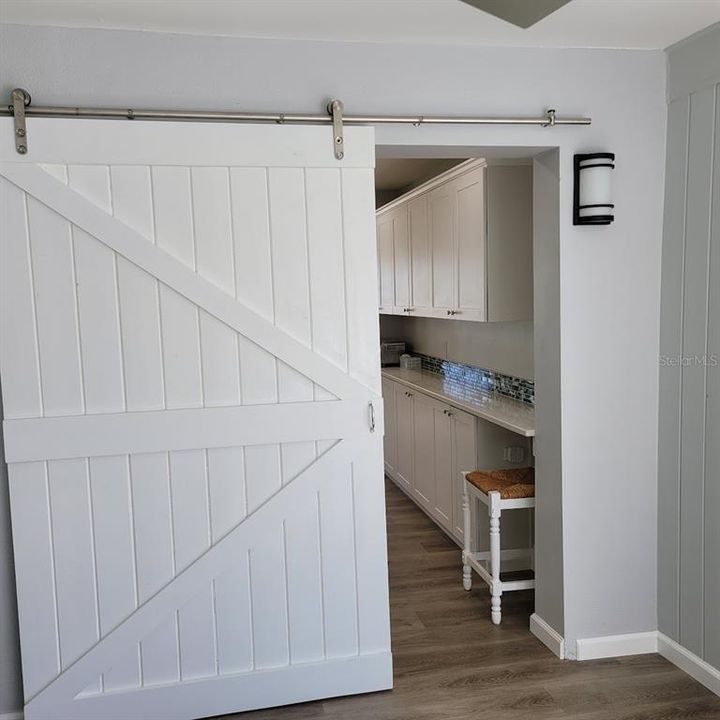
(547, 635)
(17, 715)
(690, 663)
(608, 646)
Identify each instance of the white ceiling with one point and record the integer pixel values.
(650, 24)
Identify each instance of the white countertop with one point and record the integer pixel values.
(506, 412)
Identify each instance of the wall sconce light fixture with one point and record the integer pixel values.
(593, 198)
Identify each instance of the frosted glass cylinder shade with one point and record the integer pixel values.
(593, 202)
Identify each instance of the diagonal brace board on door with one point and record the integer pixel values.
(210, 564)
(136, 249)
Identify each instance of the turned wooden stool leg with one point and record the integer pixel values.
(496, 586)
(467, 539)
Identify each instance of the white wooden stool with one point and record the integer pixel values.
(506, 489)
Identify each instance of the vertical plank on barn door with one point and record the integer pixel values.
(337, 532)
(138, 294)
(97, 300)
(191, 529)
(253, 277)
(233, 627)
(291, 291)
(155, 562)
(304, 582)
(34, 575)
(327, 273)
(131, 198)
(371, 554)
(268, 589)
(361, 277)
(73, 549)
(19, 358)
(179, 324)
(98, 310)
(56, 310)
(233, 607)
(326, 267)
(290, 271)
(215, 260)
(115, 558)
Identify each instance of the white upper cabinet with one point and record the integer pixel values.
(401, 244)
(386, 263)
(470, 291)
(420, 256)
(441, 202)
(460, 246)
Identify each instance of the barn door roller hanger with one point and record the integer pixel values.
(20, 108)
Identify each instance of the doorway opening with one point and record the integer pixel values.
(501, 343)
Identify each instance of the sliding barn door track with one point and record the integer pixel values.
(21, 108)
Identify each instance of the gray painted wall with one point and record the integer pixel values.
(549, 566)
(689, 418)
(609, 293)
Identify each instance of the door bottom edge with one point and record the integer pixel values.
(262, 689)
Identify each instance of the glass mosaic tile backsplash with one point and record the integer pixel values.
(481, 379)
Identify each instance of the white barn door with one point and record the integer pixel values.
(190, 374)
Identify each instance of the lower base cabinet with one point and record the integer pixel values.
(404, 424)
(429, 443)
(423, 478)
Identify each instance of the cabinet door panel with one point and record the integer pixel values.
(442, 222)
(423, 481)
(443, 505)
(390, 439)
(420, 256)
(401, 246)
(471, 282)
(464, 430)
(404, 425)
(386, 262)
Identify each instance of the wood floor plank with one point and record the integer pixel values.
(452, 663)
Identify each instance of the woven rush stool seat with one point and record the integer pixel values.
(511, 483)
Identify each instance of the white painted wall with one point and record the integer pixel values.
(609, 301)
(505, 347)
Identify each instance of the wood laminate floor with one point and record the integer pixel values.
(452, 663)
